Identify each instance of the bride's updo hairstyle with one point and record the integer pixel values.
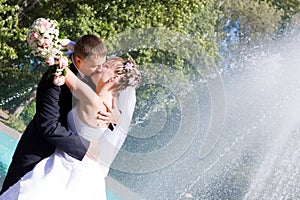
(127, 70)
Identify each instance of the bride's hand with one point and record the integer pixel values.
(67, 43)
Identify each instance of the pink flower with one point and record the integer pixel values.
(45, 24)
(35, 35)
(50, 60)
(47, 43)
(59, 80)
(63, 62)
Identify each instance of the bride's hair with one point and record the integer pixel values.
(128, 71)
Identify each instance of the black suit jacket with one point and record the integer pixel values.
(47, 131)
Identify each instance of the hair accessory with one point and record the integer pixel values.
(128, 65)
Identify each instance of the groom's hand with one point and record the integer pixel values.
(112, 115)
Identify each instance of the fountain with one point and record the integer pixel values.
(232, 134)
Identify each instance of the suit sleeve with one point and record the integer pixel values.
(52, 121)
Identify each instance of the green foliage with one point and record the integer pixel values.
(259, 21)
(9, 30)
(20, 123)
(15, 74)
(12, 36)
(184, 32)
(290, 8)
(16, 123)
(190, 19)
(16, 86)
(28, 112)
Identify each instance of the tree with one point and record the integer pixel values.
(107, 19)
(202, 24)
(15, 77)
(256, 21)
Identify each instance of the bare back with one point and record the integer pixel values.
(87, 110)
(89, 103)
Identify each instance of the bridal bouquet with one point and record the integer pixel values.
(43, 39)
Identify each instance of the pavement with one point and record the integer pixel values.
(9, 131)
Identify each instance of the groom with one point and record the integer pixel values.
(48, 129)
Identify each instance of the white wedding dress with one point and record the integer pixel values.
(61, 177)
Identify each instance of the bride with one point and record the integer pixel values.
(62, 177)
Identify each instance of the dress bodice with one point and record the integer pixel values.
(77, 126)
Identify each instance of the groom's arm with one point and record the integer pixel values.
(52, 122)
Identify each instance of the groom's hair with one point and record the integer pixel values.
(88, 45)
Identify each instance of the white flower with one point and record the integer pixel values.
(58, 71)
(44, 30)
(128, 66)
(42, 38)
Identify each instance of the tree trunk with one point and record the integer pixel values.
(20, 108)
(3, 116)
